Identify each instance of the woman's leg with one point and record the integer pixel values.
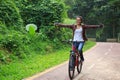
(75, 46)
(80, 47)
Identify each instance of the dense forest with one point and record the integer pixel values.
(96, 12)
(16, 14)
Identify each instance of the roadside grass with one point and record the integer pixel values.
(18, 70)
(88, 45)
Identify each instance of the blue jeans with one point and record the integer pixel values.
(79, 47)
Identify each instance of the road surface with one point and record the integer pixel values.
(101, 63)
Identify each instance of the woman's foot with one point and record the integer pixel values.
(82, 61)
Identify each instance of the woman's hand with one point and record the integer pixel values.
(56, 24)
(101, 25)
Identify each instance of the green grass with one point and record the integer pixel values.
(18, 70)
(88, 45)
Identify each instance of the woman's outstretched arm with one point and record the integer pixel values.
(94, 26)
(64, 25)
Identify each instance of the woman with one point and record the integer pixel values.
(79, 36)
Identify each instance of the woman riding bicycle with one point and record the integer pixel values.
(79, 36)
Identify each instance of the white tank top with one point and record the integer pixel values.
(78, 35)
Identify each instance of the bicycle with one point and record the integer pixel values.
(74, 61)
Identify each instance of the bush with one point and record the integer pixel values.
(42, 13)
(51, 32)
(9, 14)
(14, 42)
(2, 56)
(10, 42)
(18, 43)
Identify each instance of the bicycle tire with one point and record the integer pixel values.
(71, 71)
(79, 66)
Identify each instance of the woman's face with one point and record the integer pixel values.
(78, 21)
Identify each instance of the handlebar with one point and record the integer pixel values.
(70, 40)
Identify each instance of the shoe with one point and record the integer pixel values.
(82, 61)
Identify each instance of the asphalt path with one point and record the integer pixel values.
(102, 62)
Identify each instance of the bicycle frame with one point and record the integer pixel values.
(74, 61)
(76, 55)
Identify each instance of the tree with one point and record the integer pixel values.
(99, 11)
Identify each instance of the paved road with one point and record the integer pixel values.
(101, 63)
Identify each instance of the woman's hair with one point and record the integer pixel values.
(80, 18)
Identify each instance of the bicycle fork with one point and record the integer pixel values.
(75, 58)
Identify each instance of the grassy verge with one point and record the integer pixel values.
(18, 70)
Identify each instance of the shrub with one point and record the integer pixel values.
(14, 42)
(42, 13)
(9, 14)
(2, 56)
(13, 13)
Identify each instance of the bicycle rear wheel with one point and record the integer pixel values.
(71, 67)
(79, 66)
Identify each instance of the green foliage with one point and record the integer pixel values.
(24, 53)
(2, 56)
(13, 42)
(32, 30)
(69, 21)
(44, 12)
(22, 45)
(16, 13)
(96, 12)
(10, 14)
(18, 70)
(51, 32)
(99, 32)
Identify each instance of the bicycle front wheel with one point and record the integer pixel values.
(71, 67)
